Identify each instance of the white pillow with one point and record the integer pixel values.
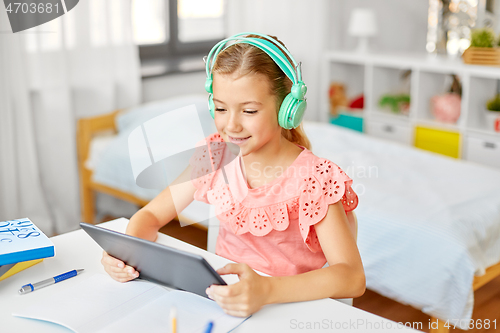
(133, 117)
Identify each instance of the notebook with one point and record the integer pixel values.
(101, 304)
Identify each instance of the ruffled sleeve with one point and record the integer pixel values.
(205, 162)
(325, 185)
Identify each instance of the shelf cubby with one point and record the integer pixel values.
(387, 80)
(432, 84)
(351, 75)
(481, 89)
(374, 75)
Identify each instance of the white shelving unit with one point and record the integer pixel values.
(377, 74)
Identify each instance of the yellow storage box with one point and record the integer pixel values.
(438, 141)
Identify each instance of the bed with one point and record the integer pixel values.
(429, 225)
(103, 157)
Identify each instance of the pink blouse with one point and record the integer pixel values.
(269, 227)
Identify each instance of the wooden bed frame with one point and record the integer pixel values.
(87, 128)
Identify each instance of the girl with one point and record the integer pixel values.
(283, 210)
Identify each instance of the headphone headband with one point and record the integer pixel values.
(269, 45)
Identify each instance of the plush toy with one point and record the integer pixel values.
(399, 103)
(446, 108)
(357, 102)
(337, 97)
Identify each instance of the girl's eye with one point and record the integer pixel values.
(246, 111)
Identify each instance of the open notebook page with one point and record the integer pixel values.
(100, 304)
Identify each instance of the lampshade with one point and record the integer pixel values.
(362, 23)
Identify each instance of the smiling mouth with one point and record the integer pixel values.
(238, 141)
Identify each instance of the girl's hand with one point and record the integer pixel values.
(117, 268)
(244, 297)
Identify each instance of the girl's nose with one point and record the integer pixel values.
(233, 122)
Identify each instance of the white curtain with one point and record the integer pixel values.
(78, 65)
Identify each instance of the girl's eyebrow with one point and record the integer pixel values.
(244, 103)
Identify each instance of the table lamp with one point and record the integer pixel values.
(362, 24)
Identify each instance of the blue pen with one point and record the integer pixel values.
(209, 327)
(27, 288)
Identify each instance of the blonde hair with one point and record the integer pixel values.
(245, 59)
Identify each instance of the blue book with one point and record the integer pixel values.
(21, 240)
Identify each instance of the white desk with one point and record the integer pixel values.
(76, 250)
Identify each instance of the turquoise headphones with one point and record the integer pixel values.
(293, 106)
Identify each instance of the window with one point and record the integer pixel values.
(173, 31)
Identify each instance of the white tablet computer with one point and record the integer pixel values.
(157, 263)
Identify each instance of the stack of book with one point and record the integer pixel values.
(22, 245)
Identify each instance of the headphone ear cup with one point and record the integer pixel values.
(211, 105)
(291, 112)
(283, 113)
(298, 113)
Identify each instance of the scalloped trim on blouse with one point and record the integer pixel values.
(205, 162)
(326, 184)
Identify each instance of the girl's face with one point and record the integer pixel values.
(245, 109)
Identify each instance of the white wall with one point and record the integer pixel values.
(402, 24)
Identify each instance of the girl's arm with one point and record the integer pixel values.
(343, 278)
(146, 222)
